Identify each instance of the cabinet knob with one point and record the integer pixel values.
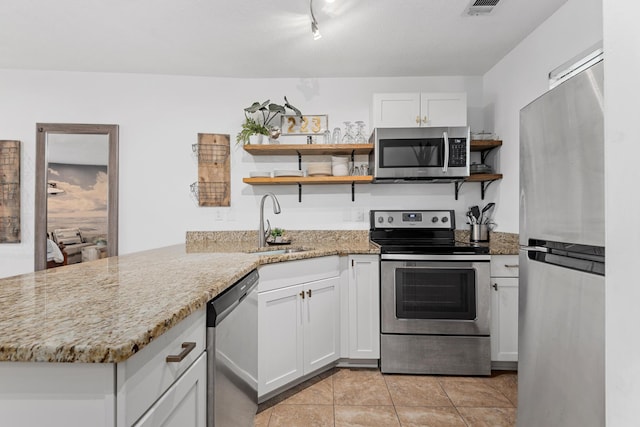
(302, 294)
(417, 119)
(495, 286)
(424, 120)
(309, 293)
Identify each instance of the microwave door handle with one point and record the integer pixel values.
(446, 152)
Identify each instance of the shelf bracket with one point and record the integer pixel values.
(485, 153)
(353, 156)
(483, 187)
(299, 160)
(353, 191)
(458, 186)
(299, 193)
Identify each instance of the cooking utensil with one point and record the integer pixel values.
(475, 211)
(471, 218)
(485, 209)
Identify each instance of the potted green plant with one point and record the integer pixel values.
(258, 117)
(277, 235)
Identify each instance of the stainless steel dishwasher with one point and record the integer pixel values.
(232, 355)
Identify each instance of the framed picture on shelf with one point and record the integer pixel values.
(304, 125)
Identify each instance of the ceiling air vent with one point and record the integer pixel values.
(481, 7)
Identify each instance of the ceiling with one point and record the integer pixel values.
(264, 38)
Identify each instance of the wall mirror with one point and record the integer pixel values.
(76, 212)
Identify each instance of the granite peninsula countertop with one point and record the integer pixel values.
(105, 311)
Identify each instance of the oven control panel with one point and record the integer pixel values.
(413, 219)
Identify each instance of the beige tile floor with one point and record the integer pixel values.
(367, 398)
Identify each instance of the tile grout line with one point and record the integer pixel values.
(395, 410)
(452, 403)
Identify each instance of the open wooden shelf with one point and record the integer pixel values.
(289, 180)
(482, 177)
(307, 149)
(485, 180)
(484, 144)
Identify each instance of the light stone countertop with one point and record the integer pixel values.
(105, 311)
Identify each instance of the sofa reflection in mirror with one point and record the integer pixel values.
(72, 247)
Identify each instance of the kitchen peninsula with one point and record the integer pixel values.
(88, 320)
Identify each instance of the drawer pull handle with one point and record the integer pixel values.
(187, 347)
(512, 265)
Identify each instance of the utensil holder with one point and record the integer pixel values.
(479, 233)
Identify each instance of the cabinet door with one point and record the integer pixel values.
(504, 319)
(279, 338)
(184, 403)
(391, 110)
(443, 109)
(321, 323)
(364, 307)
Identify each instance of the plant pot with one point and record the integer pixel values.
(256, 139)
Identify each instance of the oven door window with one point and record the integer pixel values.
(405, 153)
(424, 293)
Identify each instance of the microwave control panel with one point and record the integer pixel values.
(457, 152)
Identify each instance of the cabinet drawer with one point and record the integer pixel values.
(504, 266)
(283, 274)
(184, 404)
(143, 378)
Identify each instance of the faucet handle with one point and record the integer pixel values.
(267, 232)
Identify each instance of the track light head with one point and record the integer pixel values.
(314, 24)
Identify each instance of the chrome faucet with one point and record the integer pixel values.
(262, 234)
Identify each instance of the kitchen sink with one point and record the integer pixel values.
(270, 251)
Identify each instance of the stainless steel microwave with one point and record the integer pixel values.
(420, 154)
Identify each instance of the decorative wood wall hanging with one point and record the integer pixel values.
(213, 186)
(9, 191)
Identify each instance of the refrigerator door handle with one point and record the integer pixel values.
(535, 249)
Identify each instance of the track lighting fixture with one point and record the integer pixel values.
(314, 24)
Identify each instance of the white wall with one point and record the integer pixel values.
(622, 147)
(160, 117)
(522, 76)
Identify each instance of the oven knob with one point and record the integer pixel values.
(434, 219)
(390, 219)
(445, 219)
(380, 219)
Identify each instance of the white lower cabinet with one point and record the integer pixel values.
(504, 308)
(184, 403)
(144, 390)
(298, 323)
(363, 316)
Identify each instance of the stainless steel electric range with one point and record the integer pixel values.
(435, 295)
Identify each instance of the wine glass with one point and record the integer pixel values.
(360, 137)
(348, 135)
(337, 136)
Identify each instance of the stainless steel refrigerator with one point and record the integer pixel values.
(561, 295)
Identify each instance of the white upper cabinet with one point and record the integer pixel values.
(414, 109)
